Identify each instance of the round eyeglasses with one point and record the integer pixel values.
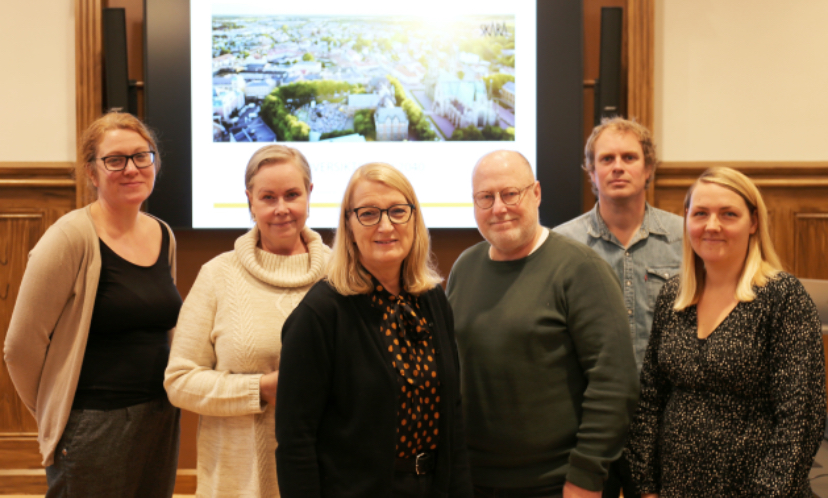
(398, 214)
(509, 196)
(141, 160)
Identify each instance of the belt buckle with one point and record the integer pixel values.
(421, 463)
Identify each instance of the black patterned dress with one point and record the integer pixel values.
(740, 413)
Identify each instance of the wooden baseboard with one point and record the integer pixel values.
(33, 482)
(185, 482)
(22, 482)
(20, 452)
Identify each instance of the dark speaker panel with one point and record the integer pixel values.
(167, 106)
(560, 109)
(116, 76)
(608, 86)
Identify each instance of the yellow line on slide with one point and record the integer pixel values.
(446, 204)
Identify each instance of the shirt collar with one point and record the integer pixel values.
(655, 222)
(652, 224)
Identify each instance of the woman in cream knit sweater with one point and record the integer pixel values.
(224, 363)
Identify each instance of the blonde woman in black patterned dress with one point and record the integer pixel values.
(733, 382)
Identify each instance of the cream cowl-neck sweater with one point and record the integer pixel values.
(228, 335)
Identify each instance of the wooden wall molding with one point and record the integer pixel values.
(764, 174)
(37, 174)
(45, 183)
(88, 77)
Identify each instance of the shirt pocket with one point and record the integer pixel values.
(657, 276)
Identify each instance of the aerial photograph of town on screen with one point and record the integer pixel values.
(362, 79)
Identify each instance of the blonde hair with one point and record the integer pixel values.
(761, 262)
(94, 134)
(346, 274)
(275, 154)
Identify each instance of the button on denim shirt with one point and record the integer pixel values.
(653, 256)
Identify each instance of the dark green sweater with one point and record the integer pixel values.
(548, 376)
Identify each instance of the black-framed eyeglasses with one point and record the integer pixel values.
(141, 160)
(509, 196)
(398, 214)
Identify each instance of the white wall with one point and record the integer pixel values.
(741, 80)
(37, 81)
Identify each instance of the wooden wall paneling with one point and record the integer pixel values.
(781, 205)
(811, 245)
(641, 69)
(777, 213)
(88, 77)
(19, 231)
(32, 197)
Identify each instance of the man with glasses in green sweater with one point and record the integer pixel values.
(549, 381)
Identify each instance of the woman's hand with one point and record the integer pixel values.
(267, 387)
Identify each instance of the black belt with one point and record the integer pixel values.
(421, 464)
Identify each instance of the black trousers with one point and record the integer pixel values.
(409, 485)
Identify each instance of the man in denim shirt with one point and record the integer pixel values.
(641, 243)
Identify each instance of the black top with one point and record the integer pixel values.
(406, 333)
(127, 349)
(739, 414)
(337, 400)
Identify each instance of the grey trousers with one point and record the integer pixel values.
(129, 452)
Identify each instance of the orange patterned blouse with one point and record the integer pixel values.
(406, 333)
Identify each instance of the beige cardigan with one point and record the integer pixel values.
(228, 335)
(49, 326)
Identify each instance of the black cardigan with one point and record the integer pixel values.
(337, 400)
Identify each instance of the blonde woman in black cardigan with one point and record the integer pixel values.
(368, 397)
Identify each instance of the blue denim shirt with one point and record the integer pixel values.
(653, 256)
